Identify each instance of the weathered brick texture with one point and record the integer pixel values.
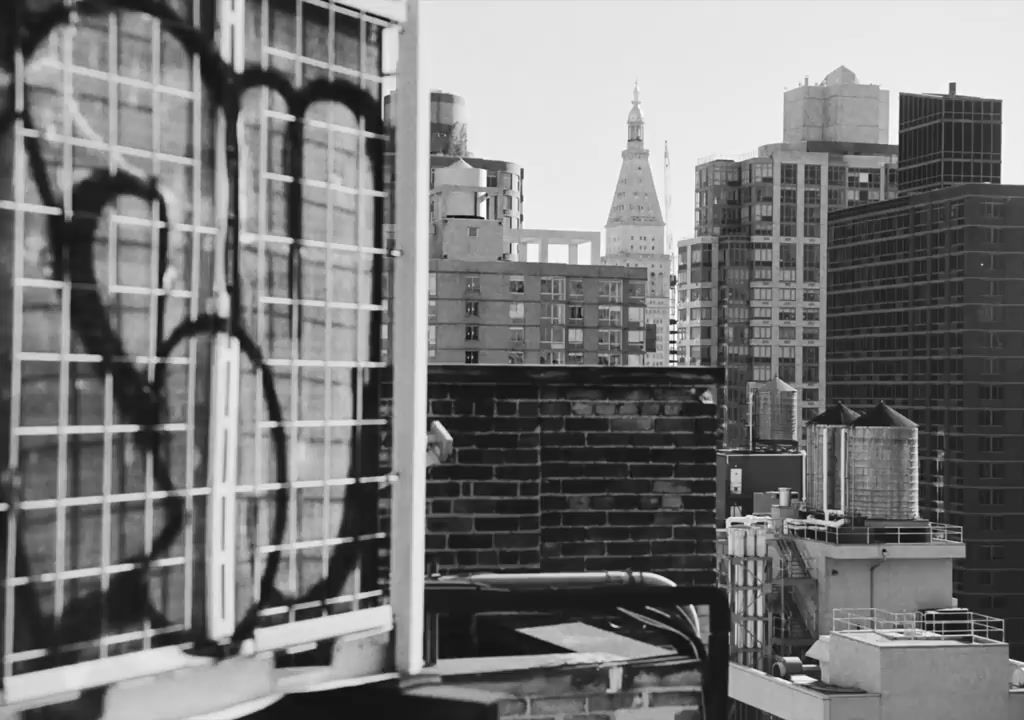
(592, 692)
(574, 468)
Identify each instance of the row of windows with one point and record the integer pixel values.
(559, 357)
(902, 221)
(762, 172)
(556, 313)
(555, 287)
(553, 335)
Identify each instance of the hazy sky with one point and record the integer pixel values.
(548, 83)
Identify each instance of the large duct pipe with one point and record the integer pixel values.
(569, 579)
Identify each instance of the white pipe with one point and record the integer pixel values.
(803, 477)
(751, 394)
(814, 522)
(409, 364)
(842, 470)
(824, 468)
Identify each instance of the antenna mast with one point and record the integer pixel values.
(668, 203)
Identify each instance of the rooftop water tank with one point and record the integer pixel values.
(882, 466)
(822, 440)
(776, 412)
(462, 202)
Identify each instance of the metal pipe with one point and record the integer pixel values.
(576, 579)
(409, 449)
(824, 468)
(751, 393)
(841, 467)
(871, 579)
(562, 580)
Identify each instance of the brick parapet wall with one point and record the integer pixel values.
(665, 691)
(574, 468)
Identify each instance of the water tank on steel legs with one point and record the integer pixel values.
(777, 412)
(821, 439)
(882, 466)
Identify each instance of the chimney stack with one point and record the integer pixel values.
(952, 88)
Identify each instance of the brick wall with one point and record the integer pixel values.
(575, 468)
(556, 690)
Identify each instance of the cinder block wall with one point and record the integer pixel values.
(591, 692)
(575, 468)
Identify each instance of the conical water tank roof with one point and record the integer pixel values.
(781, 385)
(837, 414)
(881, 415)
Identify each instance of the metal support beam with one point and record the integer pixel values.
(409, 449)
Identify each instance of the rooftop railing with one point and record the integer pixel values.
(953, 624)
(734, 157)
(932, 533)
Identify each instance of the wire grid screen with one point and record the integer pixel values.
(323, 330)
(105, 553)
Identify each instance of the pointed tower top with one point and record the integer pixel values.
(635, 122)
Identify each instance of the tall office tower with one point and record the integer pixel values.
(635, 233)
(925, 300)
(948, 140)
(751, 281)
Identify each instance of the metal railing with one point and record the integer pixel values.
(734, 157)
(932, 533)
(955, 623)
(794, 564)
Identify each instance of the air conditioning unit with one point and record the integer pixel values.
(948, 621)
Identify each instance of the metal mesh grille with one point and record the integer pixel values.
(319, 343)
(115, 92)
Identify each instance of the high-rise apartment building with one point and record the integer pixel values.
(948, 140)
(925, 306)
(635, 232)
(527, 312)
(751, 282)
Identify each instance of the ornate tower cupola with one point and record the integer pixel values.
(635, 123)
